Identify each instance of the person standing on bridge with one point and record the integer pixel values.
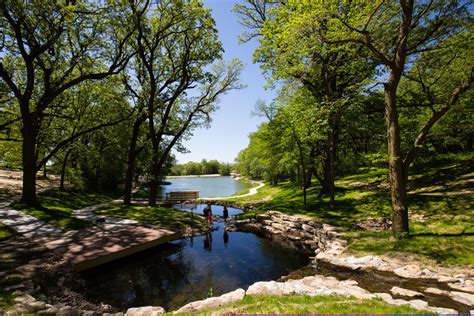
(209, 214)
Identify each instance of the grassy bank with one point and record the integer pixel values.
(159, 216)
(441, 206)
(302, 304)
(56, 207)
(6, 232)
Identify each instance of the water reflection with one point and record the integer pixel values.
(186, 270)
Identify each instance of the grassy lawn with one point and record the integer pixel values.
(55, 207)
(302, 304)
(251, 184)
(441, 223)
(159, 216)
(6, 232)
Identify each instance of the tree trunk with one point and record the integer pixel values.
(45, 175)
(398, 178)
(329, 168)
(63, 170)
(132, 155)
(153, 185)
(29, 162)
(332, 164)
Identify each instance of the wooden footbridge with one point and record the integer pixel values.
(93, 246)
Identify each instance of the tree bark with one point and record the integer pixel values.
(153, 185)
(398, 177)
(29, 134)
(132, 155)
(63, 170)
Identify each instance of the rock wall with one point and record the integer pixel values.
(299, 232)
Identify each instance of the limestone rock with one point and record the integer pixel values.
(404, 292)
(408, 271)
(213, 302)
(463, 285)
(49, 311)
(279, 226)
(68, 311)
(436, 291)
(308, 228)
(145, 311)
(462, 297)
(269, 288)
(443, 311)
(24, 299)
(418, 304)
(262, 217)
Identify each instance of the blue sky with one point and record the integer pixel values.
(233, 122)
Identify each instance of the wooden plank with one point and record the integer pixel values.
(182, 195)
(90, 247)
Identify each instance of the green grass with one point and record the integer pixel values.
(251, 184)
(160, 216)
(6, 299)
(303, 304)
(55, 207)
(441, 225)
(6, 232)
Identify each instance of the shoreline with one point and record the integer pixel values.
(196, 176)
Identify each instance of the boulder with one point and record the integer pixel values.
(309, 229)
(462, 297)
(463, 285)
(404, 292)
(408, 271)
(279, 226)
(433, 290)
(68, 311)
(145, 311)
(213, 302)
(269, 288)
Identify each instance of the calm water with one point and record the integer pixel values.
(186, 270)
(207, 186)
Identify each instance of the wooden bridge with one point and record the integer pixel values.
(90, 247)
(186, 195)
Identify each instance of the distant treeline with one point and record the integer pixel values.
(203, 167)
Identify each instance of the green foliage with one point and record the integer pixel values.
(201, 168)
(442, 221)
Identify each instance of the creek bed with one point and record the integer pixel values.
(186, 270)
(376, 281)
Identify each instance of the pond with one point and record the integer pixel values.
(207, 186)
(185, 270)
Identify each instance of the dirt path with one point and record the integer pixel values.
(11, 183)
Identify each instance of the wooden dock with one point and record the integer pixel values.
(90, 247)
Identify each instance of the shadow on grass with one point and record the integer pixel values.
(55, 207)
(160, 216)
(53, 215)
(441, 235)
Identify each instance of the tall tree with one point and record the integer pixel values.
(291, 50)
(49, 47)
(177, 87)
(397, 33)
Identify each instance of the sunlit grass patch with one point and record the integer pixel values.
(159, 216)
(55, 207)
(303, 304)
